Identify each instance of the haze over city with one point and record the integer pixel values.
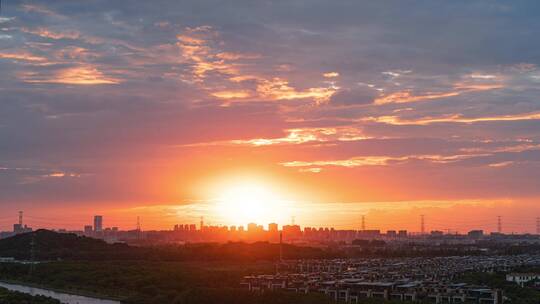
(259, 111)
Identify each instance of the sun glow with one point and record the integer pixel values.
(244, 202)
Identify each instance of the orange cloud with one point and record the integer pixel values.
(298, 136)
(82, 75)
(236, 56)
(196, 47)
(22, 56)
(457, 118)
(378, 160)
(331, 74)
(407, 96)
(231, 94)
(279, 89)
(46, 33)
(459, 88)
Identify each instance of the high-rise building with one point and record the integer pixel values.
(272, 227)
(88, 230)
(252, 227)
(98, 223)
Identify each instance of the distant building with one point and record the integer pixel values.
(252, 227)
(437, 233)
(273, 227)
(402, 233)
(522, 278)
(475, 234)
(98, 223)
(88, 230)
(369, 233)
(292, 232)
(391, 233)
(19, 228)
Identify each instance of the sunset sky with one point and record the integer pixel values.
(319, 109)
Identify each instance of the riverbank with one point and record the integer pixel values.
(65, 296)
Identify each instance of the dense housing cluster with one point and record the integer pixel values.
(405, 279)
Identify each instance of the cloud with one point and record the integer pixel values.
(331, 74)
(80, 75)
(355, 96)
(377, 161)
(300, 136)
(408, 96)
(455, 118)
(32, 8)
(231, 94)
(55, 35)
(217, 90)
(22, 56)
(279, 89)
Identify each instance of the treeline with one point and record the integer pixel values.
(515, 293)
(48, 245)
(14, 297)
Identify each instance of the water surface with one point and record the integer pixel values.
(62, 297)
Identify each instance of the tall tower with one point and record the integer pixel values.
(138, 228)
(499, 224)
(363, 223)
(422, 224)
(292, 220)
(202, 223)
(21, 218)
(98, 223)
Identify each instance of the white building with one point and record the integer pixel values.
(522, 278)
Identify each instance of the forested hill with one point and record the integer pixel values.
(49, 245)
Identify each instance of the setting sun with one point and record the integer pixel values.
(245, 202)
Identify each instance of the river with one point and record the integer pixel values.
(62, 297)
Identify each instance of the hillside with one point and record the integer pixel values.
(49, 245)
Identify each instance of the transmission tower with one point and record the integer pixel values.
(20, 218)
(422, 224)
(201, 223)
(499, 224)
(138, 228)
(363, 223)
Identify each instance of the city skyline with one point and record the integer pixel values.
(98, 224)
(258, 112)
